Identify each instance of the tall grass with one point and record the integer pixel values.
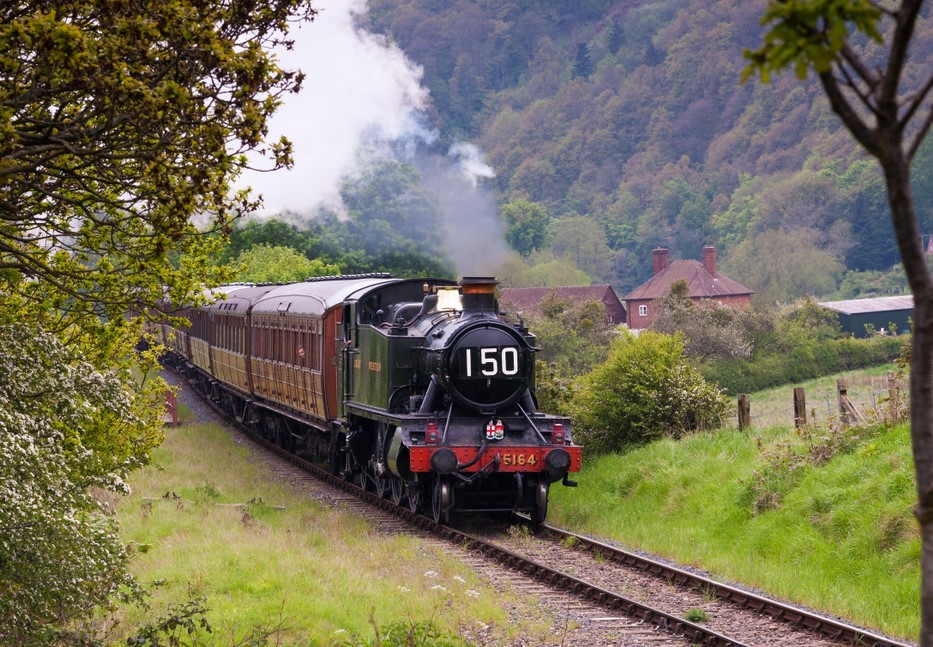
(840, 536)
(272, 562)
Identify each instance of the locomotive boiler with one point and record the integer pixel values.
(417, 389)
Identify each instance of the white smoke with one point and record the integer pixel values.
(360, 94)
(361, 100)
(470, 162)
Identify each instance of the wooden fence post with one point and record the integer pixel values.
(893, 396)
(848, 413)
(800, 407)
(745, 408)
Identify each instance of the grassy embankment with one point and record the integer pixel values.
(307, 573)
(839, 536)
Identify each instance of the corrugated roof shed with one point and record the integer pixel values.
(876, 304)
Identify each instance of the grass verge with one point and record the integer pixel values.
(841, 537)
(206, 516)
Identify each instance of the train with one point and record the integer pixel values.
(420, 390)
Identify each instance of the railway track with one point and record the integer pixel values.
(599, 576)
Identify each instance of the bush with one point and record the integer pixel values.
(644, 391)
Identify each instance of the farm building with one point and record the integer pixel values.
(528, 300)
(881, 314)
(703, 282)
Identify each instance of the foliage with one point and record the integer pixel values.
(554, 389)
(121, 126)
(542, 270)
(573, 336)
(526, 226)
(61, 423)
(272, 232)
(189, 617)
(659, 145)
(873, 283)
(708, 328)
(266, 264)
(780, 364)
(781, 266)
(406, 634)
(645, 390)
(118, 127)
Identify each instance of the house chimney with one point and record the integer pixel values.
(709, 260)
(661, 258)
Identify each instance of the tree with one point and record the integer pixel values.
(708, 329)
(780, 266)
(272, 264)
(526, 226)
(616, 37)
(582, 63)
(60, 554)
(583, 241)
(542, 270)
(272, 232)
(645, 390)
(889, 114)
(119, 124)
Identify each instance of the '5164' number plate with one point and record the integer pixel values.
(519, 459)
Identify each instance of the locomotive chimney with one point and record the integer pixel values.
(479, 293)
(661, 258)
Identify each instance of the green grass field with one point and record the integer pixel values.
(840, 536)
(283, 565)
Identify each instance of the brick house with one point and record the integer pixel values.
(527, 300)
(703, 282)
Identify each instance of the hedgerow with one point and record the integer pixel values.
(803, 361)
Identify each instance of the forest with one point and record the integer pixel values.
(615, 127)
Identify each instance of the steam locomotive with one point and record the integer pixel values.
(415, 388)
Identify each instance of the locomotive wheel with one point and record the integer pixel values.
(382, 486)
(540, 511)
(441, 500)
(396, 491)
(415, 497)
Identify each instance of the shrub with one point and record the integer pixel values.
(644, 391)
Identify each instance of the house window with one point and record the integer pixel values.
(642, 311)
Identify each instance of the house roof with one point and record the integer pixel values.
(700, 283)
(876, 304)
(529, 299)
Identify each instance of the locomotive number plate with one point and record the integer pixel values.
(519, 459)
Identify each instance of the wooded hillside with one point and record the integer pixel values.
(631, 115)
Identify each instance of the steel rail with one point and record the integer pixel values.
(779, 611)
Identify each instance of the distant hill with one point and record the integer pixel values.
(631, 114)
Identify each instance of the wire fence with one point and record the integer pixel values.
(872, 397)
